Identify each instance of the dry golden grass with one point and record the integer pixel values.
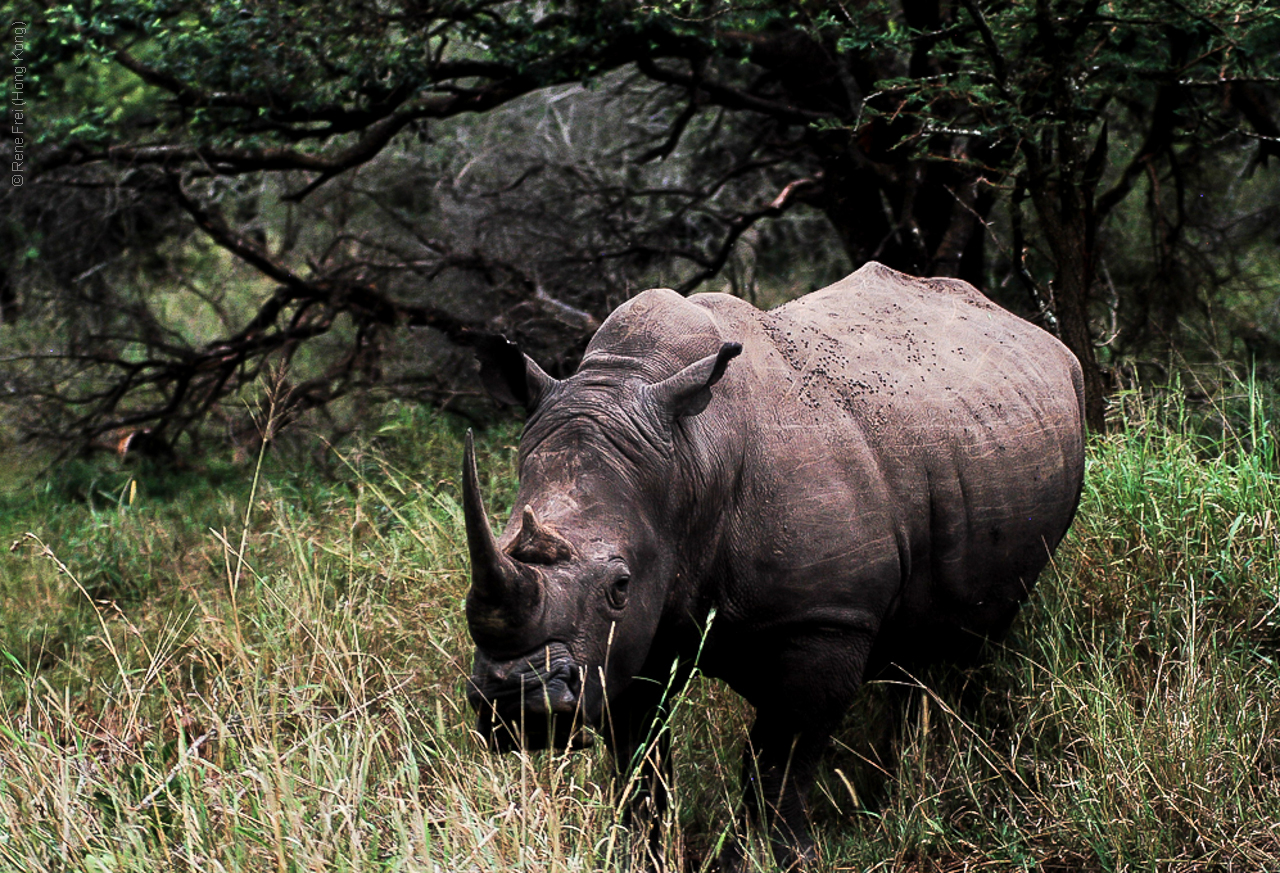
(266, 676)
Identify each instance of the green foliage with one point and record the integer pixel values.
(286, 54)
(1012, 72)
(257, 75)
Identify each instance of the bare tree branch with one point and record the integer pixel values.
(787, 197)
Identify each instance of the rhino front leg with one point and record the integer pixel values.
(778, 769)
(800, 697)
(641, 751)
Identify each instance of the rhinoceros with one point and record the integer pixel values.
(874, 473)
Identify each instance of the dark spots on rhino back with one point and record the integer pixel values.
(782, 339)
(923, 343)
(826, 372)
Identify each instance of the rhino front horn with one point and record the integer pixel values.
(504, 595)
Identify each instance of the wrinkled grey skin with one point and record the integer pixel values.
(878, 476)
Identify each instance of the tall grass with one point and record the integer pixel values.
(269, 679)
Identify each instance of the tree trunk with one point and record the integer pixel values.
(1068, 223)
(915, 216)
(1071, 291)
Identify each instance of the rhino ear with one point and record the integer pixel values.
(510, 376)
(689, 391)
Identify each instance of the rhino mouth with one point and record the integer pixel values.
(530, 702)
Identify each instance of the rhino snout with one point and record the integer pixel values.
(518, 700)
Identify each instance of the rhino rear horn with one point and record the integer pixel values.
(537, 543)
(504, 594)
(689, 391)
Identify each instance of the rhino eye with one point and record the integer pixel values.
(617, 591)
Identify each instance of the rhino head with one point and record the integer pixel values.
(565, 602)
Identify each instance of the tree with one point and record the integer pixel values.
(1050, 82)
(347, 172)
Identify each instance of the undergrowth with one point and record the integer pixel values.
(261, 670)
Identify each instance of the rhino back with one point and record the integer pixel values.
(910, 454)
